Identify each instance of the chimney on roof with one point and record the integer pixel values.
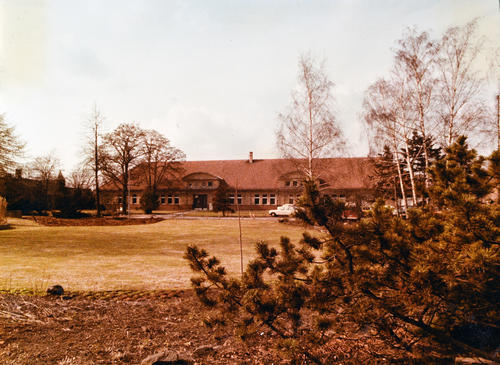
(250, 157)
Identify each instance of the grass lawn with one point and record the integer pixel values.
(124, 257)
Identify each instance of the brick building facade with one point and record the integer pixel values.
(253, 184)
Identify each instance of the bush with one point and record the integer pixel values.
(149, 201)
(221, 199)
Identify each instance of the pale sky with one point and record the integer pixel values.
(211, 76)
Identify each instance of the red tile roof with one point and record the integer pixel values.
(266, 174)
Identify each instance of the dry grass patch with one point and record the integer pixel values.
(124, 257)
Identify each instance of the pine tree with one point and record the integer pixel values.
(386, 176)
(421, 286)
(417, 158)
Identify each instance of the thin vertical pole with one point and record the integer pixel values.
(239, 225)
(498, 122)
(128, 194)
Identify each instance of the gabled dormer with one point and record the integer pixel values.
(201, 181)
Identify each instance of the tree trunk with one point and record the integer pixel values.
(97, 195)
(395, 186)
(424, 137)
(401, 183)
(125, 193)
(410, 170)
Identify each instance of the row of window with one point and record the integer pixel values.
(258, 199)
(201, 184)
(264, 199)
(170, 199)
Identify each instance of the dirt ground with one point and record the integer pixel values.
(127, 327)
(115, 328)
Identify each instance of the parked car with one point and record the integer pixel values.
(283, 210)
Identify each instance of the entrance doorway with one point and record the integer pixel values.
(200, 201)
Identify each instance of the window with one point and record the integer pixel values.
(295, 183)
(210, 183)
(342, 196)
(264, 198)
(272, 199)
(162, 199)
(169, 199)
(119, 199)
(290, 200)
(176, 199)
(287, 183)
(256, 199)
(232, 200)
(134, 198)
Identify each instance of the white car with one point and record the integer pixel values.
(284, 210)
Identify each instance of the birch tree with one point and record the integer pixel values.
(416, 58)
(308, 128)
(461, 109)
(380, 117)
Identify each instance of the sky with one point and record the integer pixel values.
(211, 76)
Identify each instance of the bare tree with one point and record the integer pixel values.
(381, 115)
(43, 168)
(92, 151)
(159, 159)
(120, 152)
(308, 129)
(80, 178)
(416, 57)
(433, 91)
(493, 130)
(159, 165)
(462, 109)
(10, 146)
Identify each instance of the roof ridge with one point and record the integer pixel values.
(280, 159)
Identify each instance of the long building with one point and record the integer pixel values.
(253, 184)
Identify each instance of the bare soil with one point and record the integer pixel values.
(126, 327)
(104, 221)
(115, 328)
